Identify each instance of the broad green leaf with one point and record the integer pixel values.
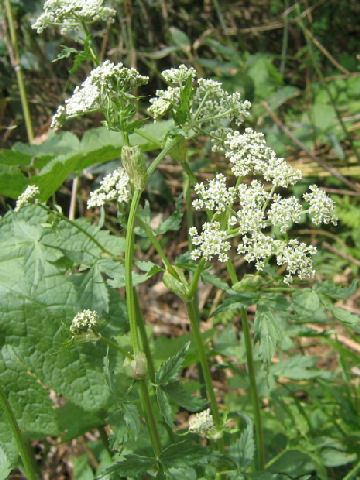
(281, 96)
(56, 144)
(179, 38)
(267, 331)
(155, 134)
(170, 369)
(178, 393)
(74, 421)
(181, 473)
(12, 181)
(323, 116)
(164, 406)
(344, 316)
(335, 458)
(185, 453)
(294, 463)
(131, 465)
(306, 304)
(14, 158)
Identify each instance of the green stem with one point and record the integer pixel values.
(17, 68)
(205, 367)
(133, 320)
(170, 144)
(113, 344)
(158, 247)
(144, 338)
(23, 447)
(195, 278)
(254, 392)
(129, 258)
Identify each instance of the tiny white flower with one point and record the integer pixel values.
(215, 196)
(285, 211)
(178, 76)
(113, 187)
(297, 258)
(28, 194)
(201, 422)
(84, 321)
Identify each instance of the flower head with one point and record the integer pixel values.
(114, 187)
(72, 13)
(211, 242)
(106, 81)
(321, 207)
(84, 321)
(201, 422)
(216, 196)
(28, 194)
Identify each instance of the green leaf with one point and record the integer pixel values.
(74, 421)
(66, 52)
(324, 116)
(267, 331)
(237, 302)
(178, 393)
(182, 111)
(170, 369)
(164, 406)
(185, 453)
(131, 465)
(336, 291)
(281, 96)
(179, 38)
(174, 221)
(243, 450)
(299, 367)
(12, 181)
(294, 463)
(344, 316)
(9, 454)
(82, 469)
(14, 158)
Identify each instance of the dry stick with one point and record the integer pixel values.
(325, 52)
(72, 208)
(340, 254)
(297, 142)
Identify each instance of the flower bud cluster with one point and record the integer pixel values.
(209, 103)
(84, 321)
(201, 422)
(72, 13)
(114, 187)
(28, 194)
(107, 80)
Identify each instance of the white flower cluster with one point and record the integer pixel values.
(28, 194)
(321, 207)
(71, 13)
(106, 80)
(209, 104)
(258, 210)
(114, 187)
(211, 242)
(201, 422)
(216, 196)
(84, 321)
(249, 154)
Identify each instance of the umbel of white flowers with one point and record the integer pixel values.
(69, 14)
(28, 194)
(114, 187)
(106, 81)
(201, 422)
(84, 321)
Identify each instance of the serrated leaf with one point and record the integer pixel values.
(237, 302)
(243, 450)
(131, 465)
(267, 331)
(164, 406)
(344, 316)
(299, 367)
(178, 454)
(170, 369)
(9, 454)
(336, 291)
(182, 397)
(174, 221)
(182, 111)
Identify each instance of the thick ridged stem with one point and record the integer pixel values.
(24, 450)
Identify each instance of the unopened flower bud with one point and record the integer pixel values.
(133, 162)
(136, 367)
